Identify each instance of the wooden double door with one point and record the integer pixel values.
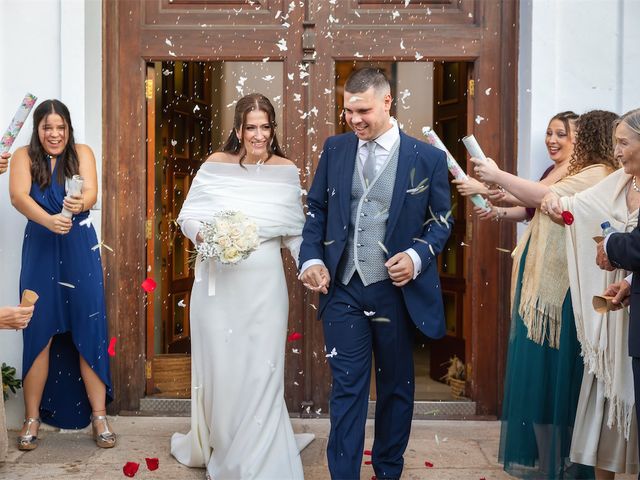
(304, 43)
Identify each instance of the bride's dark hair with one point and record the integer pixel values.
(68, 164)
(250, 103)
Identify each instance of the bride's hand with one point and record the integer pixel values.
(316, 278)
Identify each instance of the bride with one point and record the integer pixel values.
(240, 427)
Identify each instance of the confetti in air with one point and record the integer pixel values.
(369, 314)
(148, 285)
(294, 336)
(384, 249)
(65, 284)
(332, 354)
(381, 320)
(112, 347)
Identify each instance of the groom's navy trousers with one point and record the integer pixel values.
(358, 320)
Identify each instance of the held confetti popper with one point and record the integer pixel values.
(453, 166)
(473, 147)
(17, 122)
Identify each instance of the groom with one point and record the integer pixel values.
(378, 217)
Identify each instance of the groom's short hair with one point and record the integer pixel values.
(365, 78)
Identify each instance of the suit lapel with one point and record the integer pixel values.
(406, 161)
(347, 164)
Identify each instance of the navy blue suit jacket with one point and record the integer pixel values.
(623, 250)
(327, 226)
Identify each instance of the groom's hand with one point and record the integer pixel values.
(316, 278)
(400, 268)
(602, 259)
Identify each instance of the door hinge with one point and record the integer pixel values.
(148, 369)
(472, 87)
(148, 229)
(148, 89)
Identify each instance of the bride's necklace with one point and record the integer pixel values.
(634, 185)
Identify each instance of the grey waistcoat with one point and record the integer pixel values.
(368, 225)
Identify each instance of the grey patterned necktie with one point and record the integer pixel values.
(369, 167)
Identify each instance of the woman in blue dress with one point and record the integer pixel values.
(65, 365)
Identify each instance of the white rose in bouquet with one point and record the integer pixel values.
(229, 238)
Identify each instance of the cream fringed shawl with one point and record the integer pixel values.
(268, 194)
(603, 337)
(545, 279)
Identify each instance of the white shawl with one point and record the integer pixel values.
(268, 194)
(603, 337)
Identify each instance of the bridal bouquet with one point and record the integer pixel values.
(229, 238)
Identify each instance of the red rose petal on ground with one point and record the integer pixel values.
(367, 452)
(428, 464)
(294, 336)
(152, 463)
(112, 347)
(567, 217)
(148, 285)
(368, 462)
(130, 468)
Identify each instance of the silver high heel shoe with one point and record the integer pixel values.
(28, 441)
(105, 439)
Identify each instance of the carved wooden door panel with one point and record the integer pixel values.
(308, 38)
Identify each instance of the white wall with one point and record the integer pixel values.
(53, 49)
(575, 55)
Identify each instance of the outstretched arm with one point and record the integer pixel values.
(528, 192)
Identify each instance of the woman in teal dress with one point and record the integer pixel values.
(544, 366)
(65, 364)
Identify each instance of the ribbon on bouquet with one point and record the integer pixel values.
(211, 273)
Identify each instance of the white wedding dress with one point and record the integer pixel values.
(240, 427)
